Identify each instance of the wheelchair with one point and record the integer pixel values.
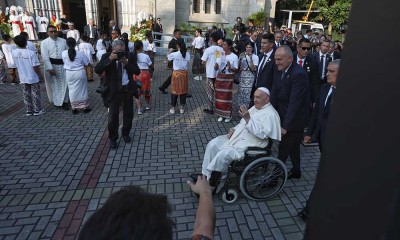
(257, 175)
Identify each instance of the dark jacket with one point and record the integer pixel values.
(290, 97)
(264, 77)
(311, 67)
(320, 115)
(86, 31)
(112, 78)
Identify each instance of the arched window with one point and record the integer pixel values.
(196, 6)
(218, 6)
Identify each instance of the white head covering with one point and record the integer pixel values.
(264, 89)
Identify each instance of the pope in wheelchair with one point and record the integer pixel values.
(258, 124)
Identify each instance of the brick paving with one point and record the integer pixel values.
(57, 169)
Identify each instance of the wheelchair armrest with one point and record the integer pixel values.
(253, 151)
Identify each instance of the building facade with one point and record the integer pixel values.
(129, 12)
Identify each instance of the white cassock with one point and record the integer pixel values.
(74, 34)
(56, 86)
(29, 26)
(221, 151)
(16, 23)
(42, 23)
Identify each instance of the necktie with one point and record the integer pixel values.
(283, 74)
(301, 63)
(278, 44)
(329, 101)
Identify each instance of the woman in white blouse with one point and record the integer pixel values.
(180, 75)
(75, 75)
(248, 63)
(198, 48)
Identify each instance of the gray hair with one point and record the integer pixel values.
(335, 62)
(116, 43)
(286, 50)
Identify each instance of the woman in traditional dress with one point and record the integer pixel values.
(145, 64)
(198, 47)
(75, 76)
(180, 75)
(149, 47)
(224, 82)
(248, 63)
(88, 50)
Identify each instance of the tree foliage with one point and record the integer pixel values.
(258, 17)
(335, 12)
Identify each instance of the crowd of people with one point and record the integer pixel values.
(285, 84)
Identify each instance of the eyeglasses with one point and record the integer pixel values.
(52, 31)
(306, 48)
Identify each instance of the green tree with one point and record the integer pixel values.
(334, 12)
(258, 17)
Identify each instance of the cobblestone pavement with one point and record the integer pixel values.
(56, 169)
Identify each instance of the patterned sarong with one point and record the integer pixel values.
(223, 95)
(179, 82)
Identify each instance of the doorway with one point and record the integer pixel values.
(75, 11)
(106, 12)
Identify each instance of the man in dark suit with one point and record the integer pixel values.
(157, 27)
(320, 115)
(322, 59)
(332, 53)
(278, 39)
(91, 31)
(304, 58)
(290, 96)
(118, 68)
(254, 39)
(112, 26)
(265, 69)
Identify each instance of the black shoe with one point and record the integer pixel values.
(113, 144)
(162, 90)
(127, 139)
(188, 95)
(208, 111)
(86, 110)
(74, 111)
(65, 106)
(303, 214)
(294, 175)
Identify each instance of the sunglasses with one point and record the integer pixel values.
(306, 48)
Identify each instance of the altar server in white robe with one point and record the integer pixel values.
(42, 23)
(258, 123)
(16, 21)
(74, 64)
(51, 49)
(29, 26)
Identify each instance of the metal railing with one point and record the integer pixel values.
(166, 38)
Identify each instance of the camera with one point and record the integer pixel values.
(120, 55)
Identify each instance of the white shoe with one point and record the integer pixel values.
(139, 111)
(181, 110)
(172, 111)
(227, 120)
(220, 119)
(148, 108)
(39, 113)
(197, 78)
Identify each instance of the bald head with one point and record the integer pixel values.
(283, 57)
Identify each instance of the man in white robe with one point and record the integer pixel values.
(42, 23)
(258, 123)
(16, 23)
(56, 86)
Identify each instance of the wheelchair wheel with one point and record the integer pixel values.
(263, 178)
(230, 196)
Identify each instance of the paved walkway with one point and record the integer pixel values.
(56, 169)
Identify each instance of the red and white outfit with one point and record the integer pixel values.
(29, 26)
(16, 24)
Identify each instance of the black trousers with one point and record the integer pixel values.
(166, 83)
(290, 146)
(174, 99)
(42, 35)
(125, 99)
